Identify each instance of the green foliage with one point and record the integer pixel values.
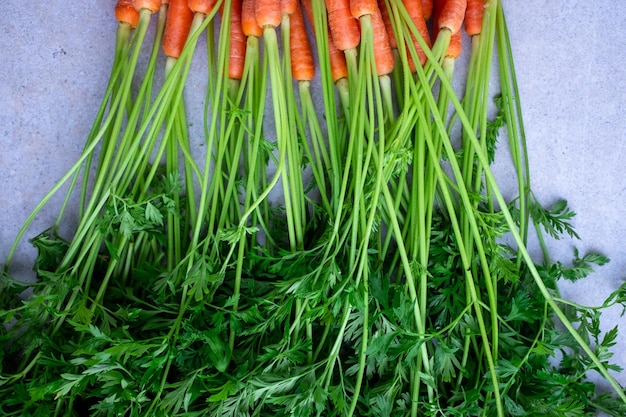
(554, 220)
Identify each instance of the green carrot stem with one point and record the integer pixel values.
(293, 183)
(213, 126)
(457, 229)
(229, 215)
(335, 137)
(87, 152)
(515, 125)
(121, 50)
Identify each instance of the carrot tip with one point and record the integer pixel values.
(152, 5)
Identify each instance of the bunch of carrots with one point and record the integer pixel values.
(378, 283)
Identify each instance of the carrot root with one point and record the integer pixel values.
(125, 12)
(474, 16)
(201, 6)
(456, 45)
(452, 15)
(360, 8)
(249, 24)
(152, 5)
(177, 26)
(288, 6)
(427, 8)
(237, 42)
(344, 28)
(383, 54)
(267, 13)
(415, 11)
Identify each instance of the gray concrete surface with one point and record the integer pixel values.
(571, 67)
(571, 78)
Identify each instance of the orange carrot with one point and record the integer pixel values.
(452, 15)
(427, 8)
(337, 59)
(385, 13)
(383, 55)
(360, 8)
(414, 9)
(248, 19)
(201, 6)
(125, 12)
(288, 6)
(456, 45)
(344, 28)
(338, 65)
(302, 65)
(177, 25)
(152, 5)
(474, 16)
(267, 13)
(237, 42)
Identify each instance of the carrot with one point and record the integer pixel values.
(125, 12)
(337, 58)
(237, 42)
(248, 19)
(288, 6)
(452, 15)
(385, 13)
(267, 13)
(152, 5)
(179, 17)
(360, 8)
(415, 11)
(338, 66)
(201, 6)
(427, 8)
(474, 16)
(456, 45)
(302, 65)
(344, 28)
(383, 55)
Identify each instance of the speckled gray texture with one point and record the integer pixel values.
(571, 67)
(53, 72)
